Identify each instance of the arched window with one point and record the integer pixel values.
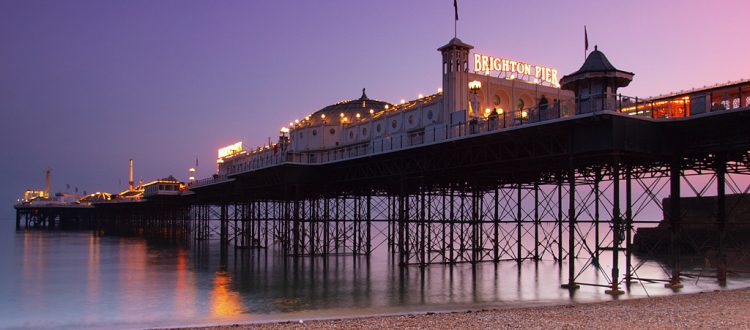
(543, 103)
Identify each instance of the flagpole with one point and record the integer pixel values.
(455, 21)
(586, 43)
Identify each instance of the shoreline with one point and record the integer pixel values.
(709, 309)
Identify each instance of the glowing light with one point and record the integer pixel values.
(487, 111)
(420, 96)
(341, 115)
(440, 90)
(499, 111)
(192, 169)
(475, 85)
(372, 111)
(291, 123)
(307, 118)
(357, 116)
(322, 116)
(192, 178)
(386, 107)
(296, 121)
(524, 114)
(284, 130)
(230, 150)
(484, 63)
(403, 101)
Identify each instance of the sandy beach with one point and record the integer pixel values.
(716, 310)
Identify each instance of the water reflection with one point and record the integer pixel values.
(82, 280)
(224, 300)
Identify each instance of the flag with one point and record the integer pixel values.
(455, 7)
(585, 38)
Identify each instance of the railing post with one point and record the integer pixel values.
(636, 106)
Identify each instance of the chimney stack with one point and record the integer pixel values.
(46, 183)
(130, 178)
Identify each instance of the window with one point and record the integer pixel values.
(378, 128)
(429, 115)
(411, 119)
(332, 131)
(496, 100)
(394, 123)
(351, 134)
(364, 130)
(315, 132)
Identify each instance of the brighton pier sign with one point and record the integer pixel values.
(484, 63)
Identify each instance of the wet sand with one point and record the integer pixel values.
(717, 309)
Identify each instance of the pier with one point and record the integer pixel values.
(536, 183)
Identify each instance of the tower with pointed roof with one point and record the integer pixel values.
(455, 77)
(595, 84)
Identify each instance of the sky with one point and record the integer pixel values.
(87, 85)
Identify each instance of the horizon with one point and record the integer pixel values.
(87, 85)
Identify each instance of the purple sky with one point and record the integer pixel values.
(86, 85)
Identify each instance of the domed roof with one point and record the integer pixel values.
(350, 108)
(598, 65)
(455, 43)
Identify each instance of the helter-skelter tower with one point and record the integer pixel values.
(455, 80)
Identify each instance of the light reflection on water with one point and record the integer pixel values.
(53, 279)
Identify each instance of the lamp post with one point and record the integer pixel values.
(500, 111)
(474, 87)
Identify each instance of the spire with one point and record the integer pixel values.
(364, 96)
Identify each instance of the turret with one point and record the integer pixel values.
(455, 79)
(595, 84)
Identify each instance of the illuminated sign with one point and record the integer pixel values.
(230, 150)
(484, 63)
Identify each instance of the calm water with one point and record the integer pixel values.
(78, 280)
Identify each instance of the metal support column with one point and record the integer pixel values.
(571, 285)
(615, 285)
(628, 224)
(675, 219)
(721, 218)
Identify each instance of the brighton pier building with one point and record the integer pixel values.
(480, 94)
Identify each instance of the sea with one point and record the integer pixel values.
(62, 279)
